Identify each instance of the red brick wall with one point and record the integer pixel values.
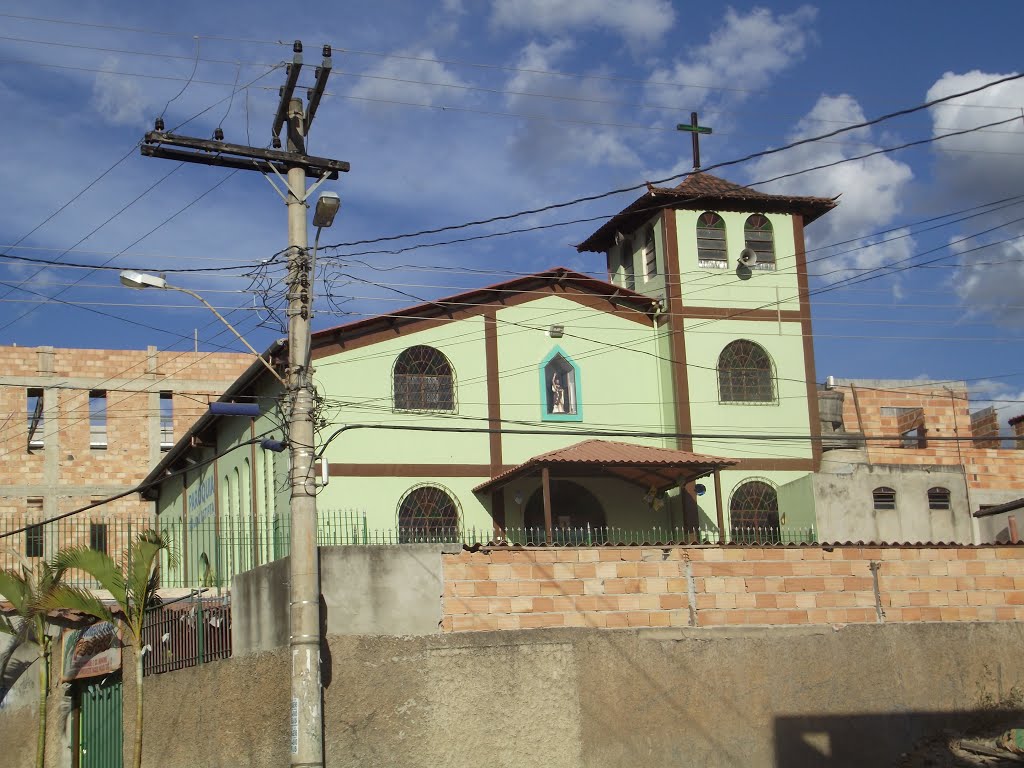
(651, 586)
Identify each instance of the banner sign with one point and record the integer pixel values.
(91, 652)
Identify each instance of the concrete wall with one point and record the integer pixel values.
(366, 590)
(845, 509)
(807, 697)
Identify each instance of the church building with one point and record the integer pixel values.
(553, 407)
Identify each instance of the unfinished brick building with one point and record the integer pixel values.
(918, 484)
(80, 425)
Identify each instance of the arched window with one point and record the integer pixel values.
(650, 255)
(711, 243)
(754, 513)
(758, 237)
(884, 498)
(745, 374)
(428, 513)
(424, 381)
(938, 498)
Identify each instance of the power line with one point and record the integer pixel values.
(726, 163)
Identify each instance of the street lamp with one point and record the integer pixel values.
(134, 279)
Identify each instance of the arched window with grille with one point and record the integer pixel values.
(745, 374)
(712, 247)
(938, 499)
(428, 513)
(759, 237)
(883, 498)
(424, 381)
(754, 513)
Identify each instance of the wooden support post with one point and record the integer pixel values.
(718, 506)
(498, 513)
(545, 481)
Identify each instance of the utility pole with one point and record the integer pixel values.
(291, 166)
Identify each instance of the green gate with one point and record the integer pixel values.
(99, 725)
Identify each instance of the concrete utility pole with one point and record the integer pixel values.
(291, 166)
(307, 711)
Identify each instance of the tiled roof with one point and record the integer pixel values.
(641, 462)
(705, 191)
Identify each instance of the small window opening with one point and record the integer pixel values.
(34, 407)
(938, 499)
(34, 541)
(98, 536)
(98, 419)
(166, 421)
(884, 498)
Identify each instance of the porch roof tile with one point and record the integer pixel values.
(641, 464)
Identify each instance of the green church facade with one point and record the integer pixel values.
(548, 403)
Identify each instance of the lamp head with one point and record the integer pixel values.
(134, 279)
(327, 206)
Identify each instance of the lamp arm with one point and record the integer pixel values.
(230, 327)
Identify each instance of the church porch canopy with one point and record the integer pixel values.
(641, 465)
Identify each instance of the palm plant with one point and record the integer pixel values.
(133, 588)
(26, 589)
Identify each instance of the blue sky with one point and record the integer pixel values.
(449, 111)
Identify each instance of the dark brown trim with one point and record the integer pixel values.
(719, 507)
(493, 388)
(677, 343)
(366, 333)
(413, 470)
(813, 413)
(729, 313)
(545, 483)
(774, 464)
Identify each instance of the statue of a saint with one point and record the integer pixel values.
(557, 395)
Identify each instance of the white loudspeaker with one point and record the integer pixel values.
(747, 257)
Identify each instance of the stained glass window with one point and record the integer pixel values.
(428, 513)
(424, 381)
(711, 242)
(758, 237)
(745, 374)
(754, 513)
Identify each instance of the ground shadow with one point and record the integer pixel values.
(893, 739)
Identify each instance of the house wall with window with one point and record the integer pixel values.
(856, 501)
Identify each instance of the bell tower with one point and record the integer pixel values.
(728, 265)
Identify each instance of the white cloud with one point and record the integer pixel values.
(399, 79)
(746, 53)
(872, 190)
(119, 100)
(638, 21)
(548, 148)
(982, 167)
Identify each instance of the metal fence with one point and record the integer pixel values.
(209, 554)
(186, 633)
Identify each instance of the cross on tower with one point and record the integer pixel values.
(695, 131)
